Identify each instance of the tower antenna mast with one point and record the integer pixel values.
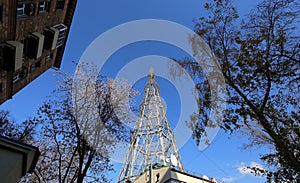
(152, 141)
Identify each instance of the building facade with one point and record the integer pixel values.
(16, 159)
(33, 35)
(171, 175)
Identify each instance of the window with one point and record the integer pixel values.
(26, 9)
(20, 75)
(35, 65)
(44, 6)
(60, 4)
(16, 77)
(49, 57)
(21, 9)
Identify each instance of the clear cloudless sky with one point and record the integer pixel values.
(223, 159)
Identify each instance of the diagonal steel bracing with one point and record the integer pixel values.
(152, 140)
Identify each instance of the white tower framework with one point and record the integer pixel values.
(152, 141)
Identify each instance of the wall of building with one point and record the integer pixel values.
(21, 18)
(8, 19)
(163, 173)
(188, 178)
(169, 175)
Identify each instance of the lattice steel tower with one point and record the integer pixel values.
(152, 141)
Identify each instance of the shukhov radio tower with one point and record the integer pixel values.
(152, 141)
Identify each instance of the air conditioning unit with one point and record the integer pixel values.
(35, 45)
(12, 55)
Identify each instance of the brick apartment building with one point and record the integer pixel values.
(33, 34)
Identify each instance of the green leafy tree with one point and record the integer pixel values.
(259, 55)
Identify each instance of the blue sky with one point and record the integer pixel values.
(224, 159)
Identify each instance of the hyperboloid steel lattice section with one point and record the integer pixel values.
(152, 141)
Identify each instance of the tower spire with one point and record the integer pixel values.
(152, 141)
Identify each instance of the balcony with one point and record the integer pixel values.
(51, 37)
(54, 36)
(35, 45)
(12, 55)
